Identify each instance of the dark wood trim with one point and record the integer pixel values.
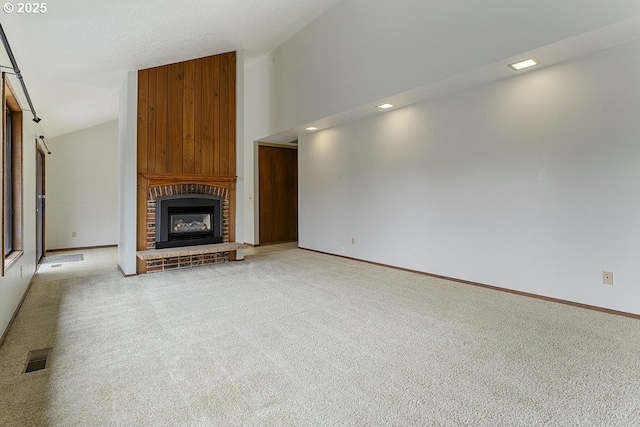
(159, 179)
(492, 287)
(4, 89)
(141, 267)
(10, 102)
(142, 120)
(40, 150)
(18, 203)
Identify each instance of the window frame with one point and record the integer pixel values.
(10, 103)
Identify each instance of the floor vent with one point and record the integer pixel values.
(54, 259)
(37, 360)
(56, 265)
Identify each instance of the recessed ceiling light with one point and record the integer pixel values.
(312, 128)
(384, 106)
(524, 64)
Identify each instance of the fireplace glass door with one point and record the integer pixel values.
(190, 223)
(187, 220)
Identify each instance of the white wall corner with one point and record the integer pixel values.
(240, 150)
(260, 114)
(128, 127)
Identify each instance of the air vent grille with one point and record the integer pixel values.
(37, 360)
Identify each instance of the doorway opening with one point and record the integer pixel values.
(277, 193)
(40, 202)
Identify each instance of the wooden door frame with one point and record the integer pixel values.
(40, 150)
(256, 183)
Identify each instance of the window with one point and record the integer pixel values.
(8, 184)
(12, 177)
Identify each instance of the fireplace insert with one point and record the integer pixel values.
(188, 220)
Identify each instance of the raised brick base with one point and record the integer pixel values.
(189, 260)
(186, 261)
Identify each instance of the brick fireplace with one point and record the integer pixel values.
(186, 144)
(189, 219)
(154, 186)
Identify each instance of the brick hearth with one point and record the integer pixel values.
(154, 186)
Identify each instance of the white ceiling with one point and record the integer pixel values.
(599, 38)
(74, 57)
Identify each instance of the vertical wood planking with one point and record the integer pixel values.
(197, 133)
(161, 120)
(232, 114)
(188, 122)
(186, 117)
(223, 117)
(207, 116)
(143, 117)
(217, 68)
(141, 222)
(151, 113)
(175, 106)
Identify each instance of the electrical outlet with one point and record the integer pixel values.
(342, 250)
(607, 278)
(74, 234)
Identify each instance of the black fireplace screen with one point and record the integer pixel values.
(188, 220)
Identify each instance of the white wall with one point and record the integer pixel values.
(239, 219)
(128, 130)
(259, 121)
(529, 184)
(82, 188)
(17, 277)
(361, 51)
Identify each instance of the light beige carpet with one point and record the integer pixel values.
(294, 337)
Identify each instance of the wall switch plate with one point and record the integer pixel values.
(607, 278)
(353, 240)
(74, 234)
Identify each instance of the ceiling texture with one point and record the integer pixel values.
(74, 57)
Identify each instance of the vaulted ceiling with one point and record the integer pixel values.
(74, 57)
